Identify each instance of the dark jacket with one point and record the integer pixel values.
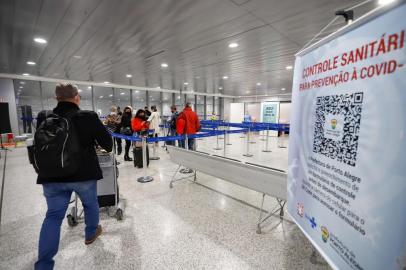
(90, 130)
(126, 120)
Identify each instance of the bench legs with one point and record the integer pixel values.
(279, 209)
(173, 180)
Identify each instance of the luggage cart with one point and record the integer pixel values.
(107, 190)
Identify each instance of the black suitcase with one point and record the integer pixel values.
(137, 156)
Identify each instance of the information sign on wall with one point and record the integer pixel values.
(269, 112)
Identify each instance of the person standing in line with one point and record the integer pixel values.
(127, 130)
(187, 123)
(154, 120)
(140, 126)
(172, 123)
(113, 123)
(86, 130)
(147, 112)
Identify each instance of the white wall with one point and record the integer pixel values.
(253, 106)
(7, 95)
(226, 109)
(284, 112)
(236, 112)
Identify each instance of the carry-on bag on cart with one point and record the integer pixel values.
(107, 189)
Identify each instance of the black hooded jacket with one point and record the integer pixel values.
(90, 131)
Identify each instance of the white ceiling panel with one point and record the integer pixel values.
(103, 40)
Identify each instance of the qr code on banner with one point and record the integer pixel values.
(338, 119)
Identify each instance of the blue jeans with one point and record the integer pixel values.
(58, 196)
(191, 144)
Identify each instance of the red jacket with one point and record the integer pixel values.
(187, 122)
(137, 124)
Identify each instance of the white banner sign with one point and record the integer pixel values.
(347, 156)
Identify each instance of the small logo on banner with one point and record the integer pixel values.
(300, 209)
(324, 234)
(333, 123)
(312, 221)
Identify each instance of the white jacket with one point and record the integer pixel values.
(154, 120)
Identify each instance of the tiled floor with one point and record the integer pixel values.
(187, 227)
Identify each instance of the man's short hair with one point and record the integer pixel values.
(153, 107)
(188, 104)
(66, 91)
(173, 107)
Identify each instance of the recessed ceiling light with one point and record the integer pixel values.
(101, 97)
(258, 84)
(164, 65)
(185, 83)
(283, 89)
(77, 56)
(31, 63)
(89, 87)
(40, 40)
(26, 74)
(178, 97)
(80, 90)
(129, 76)
(220, 88)
(122, 93)
(225, 77)
(289, 67)
(136, 91)
(233, 45)
(22, 82)
(247, 92)
(106, 82)
(110, 95)
(385, 2)
(197, 77)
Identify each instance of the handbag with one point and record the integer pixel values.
(126, 131)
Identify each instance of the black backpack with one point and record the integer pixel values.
(56, 147)
(174, 117)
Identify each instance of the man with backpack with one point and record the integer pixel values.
(66, 161)
(172, 124)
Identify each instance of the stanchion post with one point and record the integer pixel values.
(267, 150)
(154, 156)
(217, 141)
(250, 136)
(247, 154)
(145, 178)
(225, 141)
(281, 138)
(221, 129)
(228, 135)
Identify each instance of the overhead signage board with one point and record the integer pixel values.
(347, 147)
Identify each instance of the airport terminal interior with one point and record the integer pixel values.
(221, 203)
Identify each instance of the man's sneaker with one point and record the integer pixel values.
(97, 234)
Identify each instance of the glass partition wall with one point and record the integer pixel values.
(33, 97)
